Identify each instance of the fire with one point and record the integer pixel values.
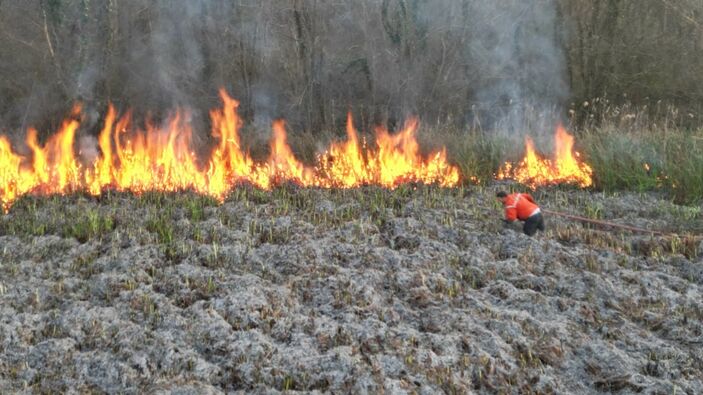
(565, 168)
(396, 160)
(161, 158)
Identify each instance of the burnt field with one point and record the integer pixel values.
(420, 289)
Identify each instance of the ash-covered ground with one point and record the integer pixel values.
(417, 290)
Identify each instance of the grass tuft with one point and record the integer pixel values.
(670, 161)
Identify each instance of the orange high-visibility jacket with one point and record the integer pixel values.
(519, 206)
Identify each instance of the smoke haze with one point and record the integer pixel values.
(498, 65)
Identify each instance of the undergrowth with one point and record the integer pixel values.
(671, 161)
(622, 159)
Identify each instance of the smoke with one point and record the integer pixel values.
(493, 64)
(522, 66)
(171, 60)
(88, 149)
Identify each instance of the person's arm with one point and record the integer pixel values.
(510, 214)
(529, 198)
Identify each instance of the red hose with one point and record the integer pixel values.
(609, 224)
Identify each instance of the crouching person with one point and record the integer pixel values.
(521, 206)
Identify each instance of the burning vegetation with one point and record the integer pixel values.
(162, 159)
(566, 167)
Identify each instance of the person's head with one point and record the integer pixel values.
(501, 196)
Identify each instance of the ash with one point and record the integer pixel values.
(417, 290)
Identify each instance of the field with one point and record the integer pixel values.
(298, 196)
(419, 289)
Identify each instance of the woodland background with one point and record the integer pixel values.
(451, 62)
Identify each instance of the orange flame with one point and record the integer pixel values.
(396, 160)
(565, 168)
(161, 158)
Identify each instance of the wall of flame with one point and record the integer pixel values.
(162, 159)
